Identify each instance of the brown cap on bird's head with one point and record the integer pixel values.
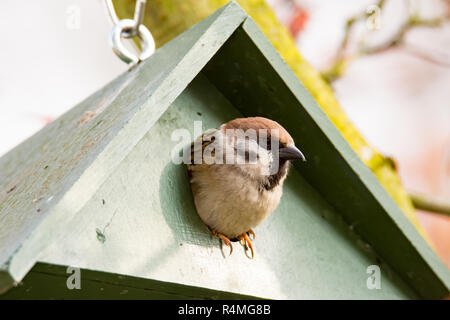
(257, 123)
(288, 150)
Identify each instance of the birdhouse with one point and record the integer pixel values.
(93, 205)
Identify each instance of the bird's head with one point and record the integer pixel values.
(263, 148)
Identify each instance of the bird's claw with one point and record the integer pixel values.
(224, 240)
(251, 232)
(245, 241)
(249, 244)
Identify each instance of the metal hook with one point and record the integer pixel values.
(111, 12)
(127, 28)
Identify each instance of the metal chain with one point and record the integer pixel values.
(127, 28)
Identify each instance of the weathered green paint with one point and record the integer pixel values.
(63, 164)
(150, 229)
(46, 281)
(110, 200)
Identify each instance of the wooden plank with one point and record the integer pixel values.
(333, 168)
(47, 179)
(48, 282)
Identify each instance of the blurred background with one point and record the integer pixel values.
(387, 61)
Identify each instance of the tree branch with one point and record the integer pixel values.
(342, 59)
(430, 204)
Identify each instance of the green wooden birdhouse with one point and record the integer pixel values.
(92, 206)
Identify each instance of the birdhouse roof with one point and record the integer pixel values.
(65, 189)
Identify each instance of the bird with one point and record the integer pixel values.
(236, 175)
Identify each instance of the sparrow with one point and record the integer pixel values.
(236, 176)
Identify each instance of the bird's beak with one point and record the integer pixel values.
(291, 153)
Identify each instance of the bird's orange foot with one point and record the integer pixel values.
(224, 239)
(245, 241)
